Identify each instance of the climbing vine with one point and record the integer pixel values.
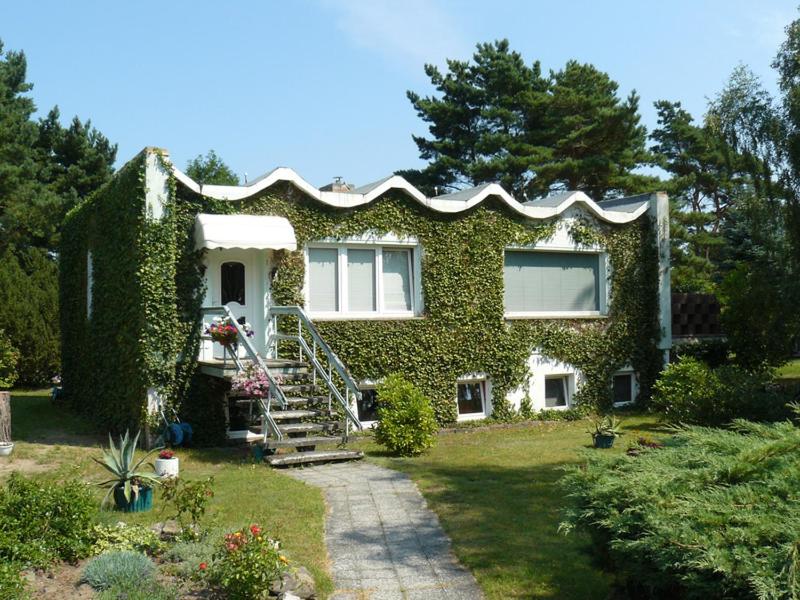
(145, 324)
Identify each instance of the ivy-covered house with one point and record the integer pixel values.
(488, 304)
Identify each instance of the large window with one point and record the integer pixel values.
(361, 280)
(552, 282)
(232, 282)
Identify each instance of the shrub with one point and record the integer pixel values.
(712, 514)
(126, 537)
(8, 362)
(188, 498)
(689, 391)
(44, 522)
(247, 563)
(406, 422)
(188, 555)
(124, 568)
(12, 585)
(714, 353)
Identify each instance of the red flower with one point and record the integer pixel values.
(203, 566)
(255, 529)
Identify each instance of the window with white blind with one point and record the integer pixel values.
(361, 280)
(547, 283)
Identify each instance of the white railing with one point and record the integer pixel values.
(275, 392)
(327, 372)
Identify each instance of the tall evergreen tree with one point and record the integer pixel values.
(497, 119)
(706, 179)
(45, 169)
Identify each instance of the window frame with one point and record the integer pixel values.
(603, 273)
(568, 380)
(486, 401)
(634, 379)
(378, 245)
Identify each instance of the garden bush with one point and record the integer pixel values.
(126, 537)
(123, 568)
(689, 391)
(44, 522)
(12, 586)
(187, 556)
(406, 421)
(712, 514)
(246, 564)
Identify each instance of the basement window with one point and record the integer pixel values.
(556, 392)
(623, 388)
(472, 397)
(368, 405)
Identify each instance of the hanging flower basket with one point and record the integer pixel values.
(224, 332)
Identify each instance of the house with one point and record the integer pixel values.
(487, 303)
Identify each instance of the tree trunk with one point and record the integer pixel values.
(5, 417)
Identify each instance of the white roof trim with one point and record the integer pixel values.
(244, 231)
(440, 204)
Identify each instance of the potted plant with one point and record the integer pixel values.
(167, 464)
(131, 487)
(6, 445)
(224, 332)
(606, 430)
(252, 382)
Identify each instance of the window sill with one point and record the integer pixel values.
(364, 317)
(471, 417)
(517, 316)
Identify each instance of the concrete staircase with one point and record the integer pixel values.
(312, 429)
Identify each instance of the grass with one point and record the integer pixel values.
(790, 371)
(52, 443)
(496, 494)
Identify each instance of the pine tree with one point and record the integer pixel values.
(498, 119)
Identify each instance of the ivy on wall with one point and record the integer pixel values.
(145, 327)
(463, 329)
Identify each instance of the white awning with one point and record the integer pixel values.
(244, 231)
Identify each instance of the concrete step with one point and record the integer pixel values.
(285, 415)
(298, 400)
(300, 389)
(302, 442)
(317, 456)
(304, 427)
(244, 435)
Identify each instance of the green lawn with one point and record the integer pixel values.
(496, 495)
(790, 370)
(53, 443)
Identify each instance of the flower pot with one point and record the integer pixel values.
(167, 467)
(603, 441)
(141, 503)
(6, 448)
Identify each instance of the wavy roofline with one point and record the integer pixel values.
(465, 200)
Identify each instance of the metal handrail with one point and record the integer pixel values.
(351, 387)
(274, 389)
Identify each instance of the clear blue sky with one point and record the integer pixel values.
(319, 85)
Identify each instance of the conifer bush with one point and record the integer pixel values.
(406, 421)
(715, 513)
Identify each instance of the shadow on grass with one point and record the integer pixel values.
(504, 525)
(36, 420)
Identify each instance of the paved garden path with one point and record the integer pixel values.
(385, 543)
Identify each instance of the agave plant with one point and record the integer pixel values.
(119, 461)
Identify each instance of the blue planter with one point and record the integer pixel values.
(143, 502)
(603, 441)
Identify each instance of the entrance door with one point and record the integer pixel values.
(236, 279)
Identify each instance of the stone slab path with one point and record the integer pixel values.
(383, 540)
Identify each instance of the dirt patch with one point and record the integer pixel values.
(60, 582)
(23, 465)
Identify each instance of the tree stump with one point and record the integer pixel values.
(5, 417)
